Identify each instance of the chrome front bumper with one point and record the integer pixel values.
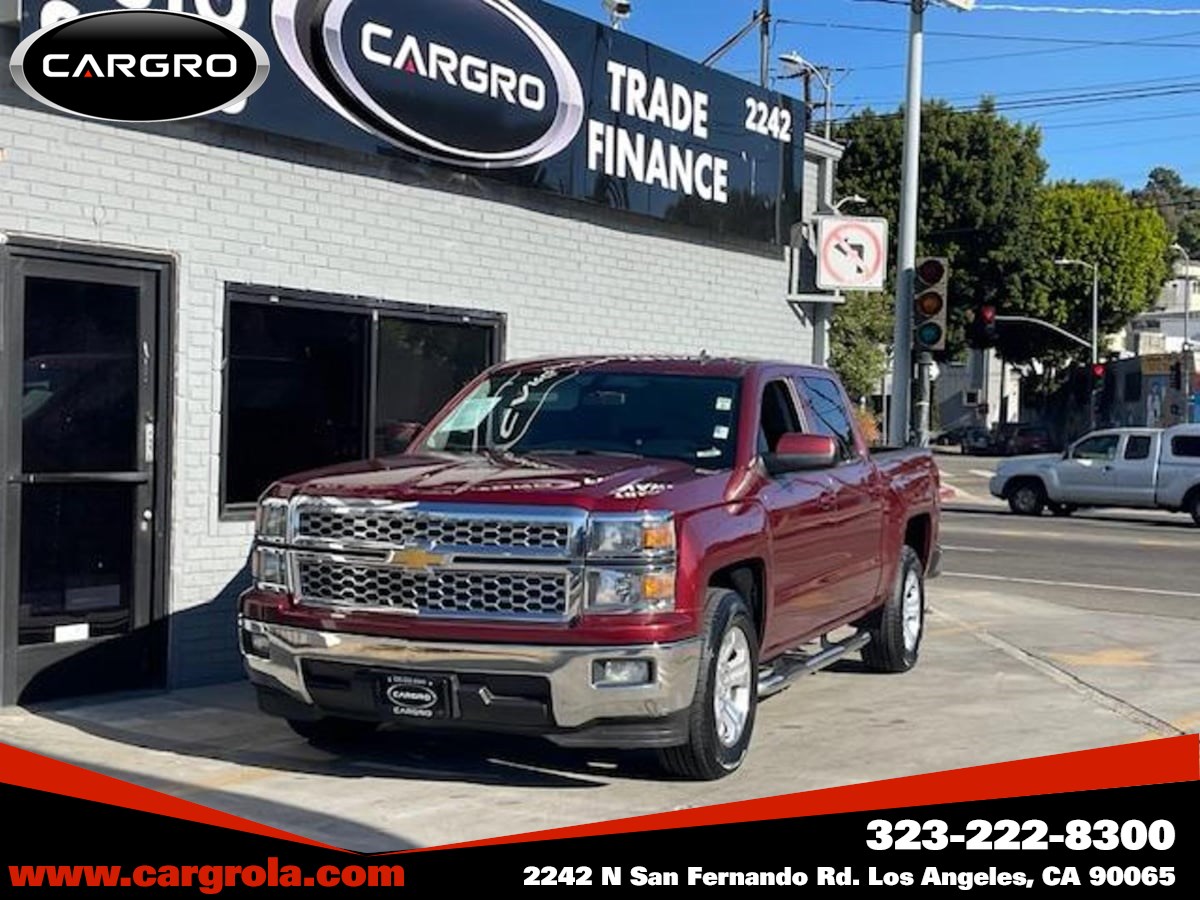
(575, 700)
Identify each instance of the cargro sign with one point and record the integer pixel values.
(139, 66)
(519, 91)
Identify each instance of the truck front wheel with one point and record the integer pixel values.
(1027, 498)
(721, 720)
(897, 629)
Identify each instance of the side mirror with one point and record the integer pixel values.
(397, 436)
(802, 453)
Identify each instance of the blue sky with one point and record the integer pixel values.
(1019, 57)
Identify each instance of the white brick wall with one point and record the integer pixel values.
(234, 207)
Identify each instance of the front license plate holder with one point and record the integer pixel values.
(416, 695)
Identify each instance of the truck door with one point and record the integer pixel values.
(1137, 470)
(801, 508)
(857, 533)
(1089, 475)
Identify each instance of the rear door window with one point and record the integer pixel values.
(1138, 447)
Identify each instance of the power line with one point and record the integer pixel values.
(852, 102)
(1008, 38)
(1067, 100)
(1088, 10)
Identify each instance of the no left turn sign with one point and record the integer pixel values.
(852, 254)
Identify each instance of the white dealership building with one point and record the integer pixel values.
(190, 310)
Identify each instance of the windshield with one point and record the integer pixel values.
(576, 411)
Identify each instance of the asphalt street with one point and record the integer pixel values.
(1118, 560)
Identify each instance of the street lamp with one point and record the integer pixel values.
(1187, 296)
(856, 199)
(796, 66)
(1095, 301)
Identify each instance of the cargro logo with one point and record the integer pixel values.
(139, 66)
(475, 83)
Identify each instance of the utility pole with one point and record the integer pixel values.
(764, 74)
(1189, 357)
(905, 275)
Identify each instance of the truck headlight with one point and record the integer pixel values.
(271, 522)
(631, 536)
(626, 591)
(269, 568)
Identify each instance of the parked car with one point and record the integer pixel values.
(609, 552)
(1020, 438)
(977, 441)
(1134, 468)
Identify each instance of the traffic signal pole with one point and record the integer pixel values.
(900, 419)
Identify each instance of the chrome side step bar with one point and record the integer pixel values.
(791, 666)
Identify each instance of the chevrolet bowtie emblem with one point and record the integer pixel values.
(416, 558)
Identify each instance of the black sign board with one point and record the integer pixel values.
(519, 91)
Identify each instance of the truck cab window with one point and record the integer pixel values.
(778, 416)
(1102, 448)
(1138, 447)
(829, 414)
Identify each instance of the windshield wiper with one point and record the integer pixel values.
(576, 451)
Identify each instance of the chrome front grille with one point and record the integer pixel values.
(437, 560)
(381, 526)
(439, 592)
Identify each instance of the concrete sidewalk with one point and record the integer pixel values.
(1002, 677)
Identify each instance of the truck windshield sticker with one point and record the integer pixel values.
(724, 404)
(721, 433)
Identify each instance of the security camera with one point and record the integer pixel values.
(618, 10)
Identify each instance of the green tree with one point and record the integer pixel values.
(1178, 203)
(859, 333)
(1100, 223)
(980, 178)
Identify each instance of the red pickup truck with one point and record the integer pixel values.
(609, 552)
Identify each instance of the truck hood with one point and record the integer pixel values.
(592, 481)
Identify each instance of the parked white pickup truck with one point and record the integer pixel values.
(1133, 468)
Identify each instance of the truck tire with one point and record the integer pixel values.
(1027, 497)
(897, 629)
(721, 719)
(332, 730)
(1194, 506)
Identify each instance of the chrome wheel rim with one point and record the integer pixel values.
(731, 694)
(912, 609)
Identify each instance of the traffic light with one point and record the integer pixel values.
(930, 304)
(983, 327)
(1098, 371)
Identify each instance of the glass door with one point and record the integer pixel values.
(81, 481)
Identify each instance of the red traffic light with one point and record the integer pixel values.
(1098, 370)
(931, 271)
(988, 314)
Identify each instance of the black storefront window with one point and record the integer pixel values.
(316, 380)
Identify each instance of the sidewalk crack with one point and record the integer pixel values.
(1059, 675)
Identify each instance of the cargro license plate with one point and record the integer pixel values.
(414, 695)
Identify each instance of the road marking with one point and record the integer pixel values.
(980, 473)
(1101, 698)
(1110, 588)
(968, 549)
(1111, 656)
